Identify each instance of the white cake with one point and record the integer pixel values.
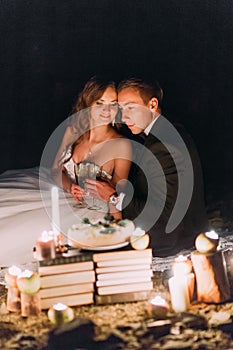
(104, 233)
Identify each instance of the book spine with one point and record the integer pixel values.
(127, 274)
(67, 278)
(129, 254)
(61, 260)
(120, 268)
(121, 298)
(134, 287)
(121, 281)
(65, 268)
(66, 290)
(123, 262)
(69, 300)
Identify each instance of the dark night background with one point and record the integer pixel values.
(50, 48)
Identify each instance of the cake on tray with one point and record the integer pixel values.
(107, 232)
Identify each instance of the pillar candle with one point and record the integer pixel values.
(178, 287)
(30, 304)
(13, 302)
(182, 266)
(45, 247)
(55, 212)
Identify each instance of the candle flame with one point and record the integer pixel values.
(26, 273)
(14, 270)
(45, 236)
(211, 234)
(59, 307)
(181, 258)
(158, 300)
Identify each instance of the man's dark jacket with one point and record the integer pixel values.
(166, 196)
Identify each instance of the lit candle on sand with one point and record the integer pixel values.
(29, 284)
(13, 295)
(55, 212)
(178, 285)
(60, 313)
(182, 267)
(158, 307)
(45, 246)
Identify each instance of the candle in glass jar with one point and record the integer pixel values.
(158, 307)
(60, 313)
(45, 247)
(207, 242)
(139, 239)
(29, 284)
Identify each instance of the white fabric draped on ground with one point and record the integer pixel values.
(25, 211)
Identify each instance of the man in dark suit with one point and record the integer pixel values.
(164, 195)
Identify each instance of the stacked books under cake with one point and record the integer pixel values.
(123, 276)
(68, 280)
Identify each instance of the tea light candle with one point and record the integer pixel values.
(13, 302)
(178, 287)
(158, 307)
(207, 242)
(29, 284)
(139, 239)
(45, 247)
(60, 313)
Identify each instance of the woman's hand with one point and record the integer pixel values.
(99, 189)
(77, 192)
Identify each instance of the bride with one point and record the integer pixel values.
(92, 136)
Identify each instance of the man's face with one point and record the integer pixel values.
(135, 113)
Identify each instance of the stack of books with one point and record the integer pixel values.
(68, 280)
(123, 276)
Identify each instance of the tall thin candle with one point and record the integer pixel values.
(55, 211)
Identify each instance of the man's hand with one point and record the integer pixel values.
(99, 189)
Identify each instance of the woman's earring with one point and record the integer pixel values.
(113, 122)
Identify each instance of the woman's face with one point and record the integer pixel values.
(104, 110)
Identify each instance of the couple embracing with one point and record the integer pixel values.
(149, 170)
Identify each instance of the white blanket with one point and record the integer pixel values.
(25, 211)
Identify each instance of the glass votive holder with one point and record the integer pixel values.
(158, 306)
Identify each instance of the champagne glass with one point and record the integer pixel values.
(93, 173)
(80, 171)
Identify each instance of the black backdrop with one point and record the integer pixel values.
(50, 48)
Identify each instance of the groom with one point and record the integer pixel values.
(164, 195)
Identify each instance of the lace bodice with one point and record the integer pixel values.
(69, 164)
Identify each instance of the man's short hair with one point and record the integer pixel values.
(147, 89)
